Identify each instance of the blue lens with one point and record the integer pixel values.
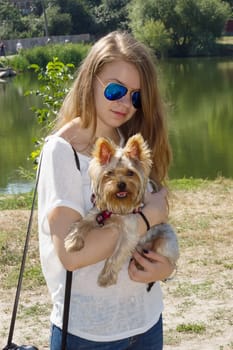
(114, 91)
(136, 99)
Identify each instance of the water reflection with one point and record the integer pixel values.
(200, 99)
(17, 187)
(201, 117)
(17, 129)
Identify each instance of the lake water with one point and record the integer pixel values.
(17, 130)
(199, 95)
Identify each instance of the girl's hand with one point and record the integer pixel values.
(155, 267)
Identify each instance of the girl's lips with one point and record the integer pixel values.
(120, 114)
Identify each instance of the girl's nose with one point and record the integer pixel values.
(127, 100)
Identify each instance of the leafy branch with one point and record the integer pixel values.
(55, 82)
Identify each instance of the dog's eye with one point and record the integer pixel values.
(130, 173)
(110, 173)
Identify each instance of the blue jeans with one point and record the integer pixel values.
(150, 340)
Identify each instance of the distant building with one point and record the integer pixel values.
(229, 27)
(25, 6)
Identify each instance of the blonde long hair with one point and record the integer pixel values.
(149, 120)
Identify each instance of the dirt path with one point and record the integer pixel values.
(198, 302)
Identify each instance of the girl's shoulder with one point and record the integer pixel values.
(59, 150)
(56, 143)
(56, 139)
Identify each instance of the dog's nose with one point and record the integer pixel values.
(121, 185)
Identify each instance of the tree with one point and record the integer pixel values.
(33, 26)
(155, 35)
(58, 23)
(111, 15)
(230, 2)
(37, 8)
(10, 19)
(192, 25)
(15, 25)
(204, 21)
(79, 12)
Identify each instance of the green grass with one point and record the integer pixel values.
(228, 266)
(32, 277)
(12, 243)
(9, 256)
(197, 328)
(10, 261)
(17, 201)
(24, 200)
(33, 310)
(187, 289)
(187, 183)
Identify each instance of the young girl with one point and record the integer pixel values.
(114, 95)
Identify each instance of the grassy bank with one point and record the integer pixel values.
(198, 302)
(23, 201)
(41, 55)
(14, 202)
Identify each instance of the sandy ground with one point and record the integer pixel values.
(198, 302)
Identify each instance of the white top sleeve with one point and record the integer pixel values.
(60, 180)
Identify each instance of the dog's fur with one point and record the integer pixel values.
(119, 178)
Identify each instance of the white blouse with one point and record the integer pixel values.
(96, 313)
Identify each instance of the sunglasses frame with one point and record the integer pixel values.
(127, 90)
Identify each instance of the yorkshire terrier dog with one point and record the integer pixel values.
(119, 178)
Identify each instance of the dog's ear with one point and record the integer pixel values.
(133, 150)
(135, 147)
(104, 150)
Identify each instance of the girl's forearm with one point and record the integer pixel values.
(99, 244)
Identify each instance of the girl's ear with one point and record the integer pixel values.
(104, 150)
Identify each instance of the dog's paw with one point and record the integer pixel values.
(107, 278)
(74, 242)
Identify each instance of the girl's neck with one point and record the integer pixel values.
(82, 139)
(112, 134)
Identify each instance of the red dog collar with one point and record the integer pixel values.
(101, 217)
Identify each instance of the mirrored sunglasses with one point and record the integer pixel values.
(115, 91)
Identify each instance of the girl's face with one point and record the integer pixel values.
(112, 114)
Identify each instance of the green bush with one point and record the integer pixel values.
(155, 35)
(41, 55)
(19, 62)
(68, 53)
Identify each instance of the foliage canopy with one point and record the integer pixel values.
(184, 27)
(189, 26)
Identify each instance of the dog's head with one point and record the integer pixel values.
(119, 175)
